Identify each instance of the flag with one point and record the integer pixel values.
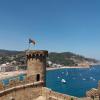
(31, 41)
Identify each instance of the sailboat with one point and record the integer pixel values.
(63, 81)
(84, 79)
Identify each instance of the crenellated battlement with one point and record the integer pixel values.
(36, 54)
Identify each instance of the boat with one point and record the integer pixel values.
(84, 79)
(91, 77)
(63, 81)
(58, 77)
(94, 79)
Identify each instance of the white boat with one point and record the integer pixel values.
(94, 79)
(63, 81)
(58, 77)
(84, 79)
(91, 77)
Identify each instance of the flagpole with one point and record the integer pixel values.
(28, 46)
(33, 47)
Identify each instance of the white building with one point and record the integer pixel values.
(6, 68)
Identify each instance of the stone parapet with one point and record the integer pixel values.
(52, 95)
(22, 92)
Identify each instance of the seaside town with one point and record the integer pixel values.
(49, 50)
(30, 83)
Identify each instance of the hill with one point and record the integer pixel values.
(64, 58)
(8, 52)
(70, 59)
(9, 56)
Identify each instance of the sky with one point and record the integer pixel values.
(55, 25)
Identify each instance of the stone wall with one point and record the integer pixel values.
(31, 92)
(27, 89)
(22, 92)
(52, 95)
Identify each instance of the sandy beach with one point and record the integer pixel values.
(67, 67)
(4, 75)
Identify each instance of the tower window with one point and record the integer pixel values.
(38, 77)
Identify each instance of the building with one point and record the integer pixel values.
(36, 65)
(7, 68)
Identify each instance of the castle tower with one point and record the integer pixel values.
(36, 64)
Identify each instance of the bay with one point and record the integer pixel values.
(78, 80)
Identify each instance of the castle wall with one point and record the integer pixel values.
(22, 92)
(29, 90)
(32, 92)
(52, 95)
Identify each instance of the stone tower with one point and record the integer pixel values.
(36, 65)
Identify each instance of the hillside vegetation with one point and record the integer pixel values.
(69, 59)
(65, 58)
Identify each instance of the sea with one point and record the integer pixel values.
(76, 80)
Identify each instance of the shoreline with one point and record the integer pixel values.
(67, 67)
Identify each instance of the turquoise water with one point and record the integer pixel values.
(78, 81)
